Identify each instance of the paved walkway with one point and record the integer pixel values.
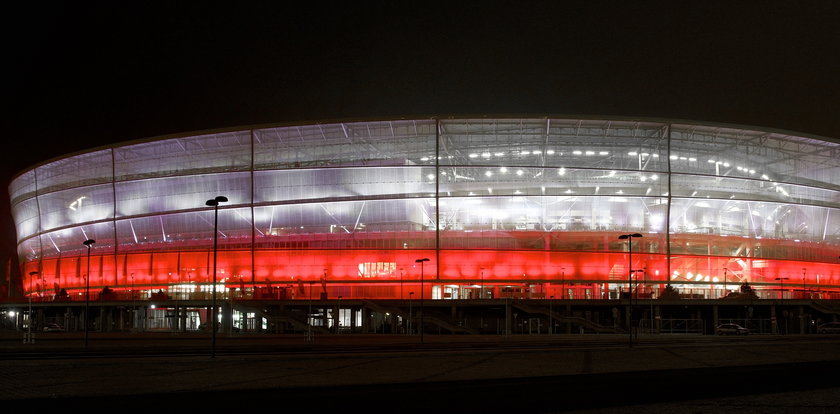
(364, 360)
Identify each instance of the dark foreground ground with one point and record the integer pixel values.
(530, 374)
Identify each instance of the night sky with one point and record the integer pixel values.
(81, 77)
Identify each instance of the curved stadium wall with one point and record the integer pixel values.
(524, 208)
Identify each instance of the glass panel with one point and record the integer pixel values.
(22, 187)
(68, 242)
(346, 144)
(751, 189)
(754, 229)
(185, 231)
(554, 142)
(77, 205)
(473, 181)
(755, 154)
(84, 169)
(25, 215)
(550, 223)
(381, 224)
(181, 193)
(289, 185)
(229, 151)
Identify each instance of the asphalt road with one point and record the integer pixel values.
(445, 373)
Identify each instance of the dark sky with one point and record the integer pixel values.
(84, 76)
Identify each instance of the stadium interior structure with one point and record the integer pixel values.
(519, 208)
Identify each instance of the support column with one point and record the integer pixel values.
(658, 318)
(715, 322)
(508, 318)
(774, 320)
(227, 318)
(803, 326)
(365, 319)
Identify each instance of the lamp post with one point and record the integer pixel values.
(481, 292)
(562, 283)
(401, 282)
(31, 278)
(724, 281)
(410, 315)
(421, 261)
(89, 243)
(629, 238)
(214, 202)
(338, 317)
(133, 310)
(550, 315)
(803, 282)
(782, 286)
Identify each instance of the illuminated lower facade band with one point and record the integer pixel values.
(520, 208)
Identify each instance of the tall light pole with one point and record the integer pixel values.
(803, 282)
(724, 281)
(213, 317)
(481, 292)
(410, 315)
(422, 314)
(550, 316)
(31, 278)
(562, 283)
(629, 238)
(782, 287)
(89, 243)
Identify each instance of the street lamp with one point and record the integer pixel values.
(31, 278)
(724, 280)
(782, 287)
(481, 292)
(550, 316)
(338, 317)
(410, 314)
(421, 261)
(562, 283)
(629, 238)
(88, 243)
(803, 282)
(214, 202)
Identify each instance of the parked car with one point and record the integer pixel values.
(731, 329)
(53, 327)
(831, 327)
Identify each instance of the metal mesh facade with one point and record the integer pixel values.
(528, 207)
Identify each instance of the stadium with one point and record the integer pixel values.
(502, 208)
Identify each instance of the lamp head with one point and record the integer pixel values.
(213, 202)
(421, 260)
(89, 242)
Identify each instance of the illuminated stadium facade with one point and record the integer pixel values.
(502, 208)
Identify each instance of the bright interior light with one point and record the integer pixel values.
(488, 173)
(473, 155)
(520, 172)
(503, 169)
(550, 152)
(576, 152)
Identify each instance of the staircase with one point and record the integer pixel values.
(585, 323)
(427, 320)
